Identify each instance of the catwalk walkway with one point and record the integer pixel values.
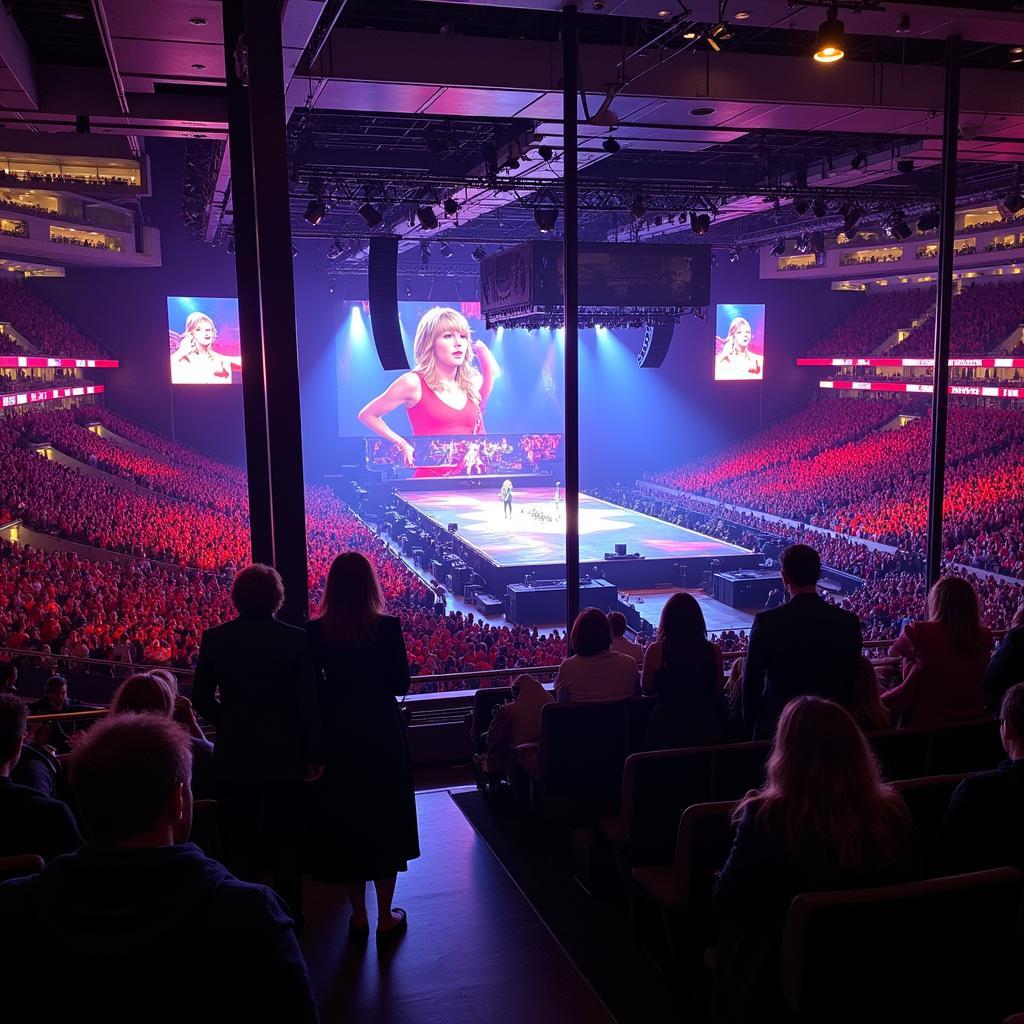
(476, 951)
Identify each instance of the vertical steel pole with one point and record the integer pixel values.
(248, 278)
(570, 247)
(943, 307)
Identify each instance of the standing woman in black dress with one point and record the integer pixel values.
(364, 814)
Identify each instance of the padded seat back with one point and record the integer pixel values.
(901, 753)
(927, 800)
(638, 714)
(656, 788)
(582, 751)
(702, 845)
(969, 747)
(949, 946)
(739, 767)
(484, 703)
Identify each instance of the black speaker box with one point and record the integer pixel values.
(382, 282)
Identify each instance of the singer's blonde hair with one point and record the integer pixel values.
(432, 325)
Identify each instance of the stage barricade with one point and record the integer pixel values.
(942, 951)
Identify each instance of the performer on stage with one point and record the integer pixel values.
(472, 463)
(195, 361)
(558, 497)
(736, 361)
(506, 498)
(445, 393)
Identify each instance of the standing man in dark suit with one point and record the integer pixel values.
(255, 681)
(984, 823)
(805, 646)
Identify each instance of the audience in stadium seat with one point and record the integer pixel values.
(984, 824)
(823, 820)
(29, 821)
(55, 701)
(878, 316)
(1006, 667)
(191, 942)
(595, 671)
(364, 807)
(944, 659)
(515, 730)
(805, 646)
(256, 683)
(45, 328)
(683, 669)
(866, 707)
(620, 642)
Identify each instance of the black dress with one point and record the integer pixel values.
(691, 710)
(363, 818)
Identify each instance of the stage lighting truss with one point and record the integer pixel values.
(536, 318)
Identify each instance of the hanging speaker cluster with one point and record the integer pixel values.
(382, 274)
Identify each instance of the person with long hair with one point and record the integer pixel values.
(866, 705)
(683, 669)
(364, 807)
(195, 361)
(736, 361)
(944, 659)
(822, 820)
(445, 394)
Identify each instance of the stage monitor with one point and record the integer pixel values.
(204, 340)
(739, 341)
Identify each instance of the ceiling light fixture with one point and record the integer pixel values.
(928, 221)
(741, 15)
(479, 253)
(451, 207)
(198, 67)
(819, 208)
(370, 214)
(831, 42)
(779, 247)
(1014, 202)
(545, 152)
(905, 166)
(427, 218)
(859, 160)
(700, 223)
(424, 253)
(903, 27)
(611, 145)
(197, 21)
(545, 217)
(445, 250)
(800, 206)
(734, 254)
(702, 111)
(638, 208)
(315, 212)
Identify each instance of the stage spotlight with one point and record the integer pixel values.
(295, 250)
(831, 43)
(315, 212)
(819, 208)
(370, 214)
(315, 186)
(445, 250)
(638, 208)
(427, 218)
(545, 152)
(803, 244)
(424, 253)
(734, 254)
(800, 206)
(479, 253)
(779, 248)
(451, 207)
(610, 145)
(336, 250)
(859, 160)
(905, 166)
(700, 223)
(1014, 202)
(545, 217)
(928, 221)
(408, 290)
(896, 226)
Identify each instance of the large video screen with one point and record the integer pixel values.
(464, 380)
(474, 455)
(739, 341)
(204, 341)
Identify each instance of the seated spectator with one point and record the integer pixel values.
(984, 824)
(595, 671)
(8, 677)
(189, 938)
(944, 659)
(619, 642)
(805, 646)
(54, 701)
(822, 820)
(1006, 668)
(733, 693)
(866, 706)
(683, 669)
(29, 821)
(147, 693)
(515, 723)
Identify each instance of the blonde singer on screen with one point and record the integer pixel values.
(736, 361)
(194, 361)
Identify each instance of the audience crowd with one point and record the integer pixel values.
(46, 329)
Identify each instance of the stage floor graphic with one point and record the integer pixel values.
(535, 535)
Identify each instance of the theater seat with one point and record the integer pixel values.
(968, 747)
(674, 900)
(927, 800)
(484, 702)
(19, 865)
(941, 951)
(901, 753)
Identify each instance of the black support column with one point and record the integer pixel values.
(943, 307)
(570, 247)
(266, 293)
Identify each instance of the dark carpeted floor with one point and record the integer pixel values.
(595, 931)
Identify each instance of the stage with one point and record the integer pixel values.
(504, 550)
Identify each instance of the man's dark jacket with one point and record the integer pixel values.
(806, 646)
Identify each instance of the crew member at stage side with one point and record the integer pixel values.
(445, 393)
(506, 498)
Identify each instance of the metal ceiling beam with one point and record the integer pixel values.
(21, 67)
(100, 14)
